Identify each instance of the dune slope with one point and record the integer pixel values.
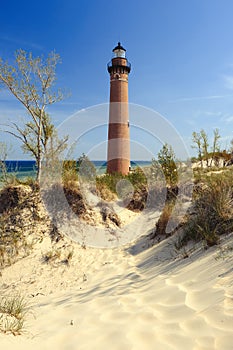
(125, 298)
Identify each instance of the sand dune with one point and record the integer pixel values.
(125, 298)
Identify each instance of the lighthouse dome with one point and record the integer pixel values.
(119, 51)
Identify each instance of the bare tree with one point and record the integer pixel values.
(31, 80)
(196, 138)
(3, 157)
(205, 145)
(231, 147)
(201, 143)
(215, 147)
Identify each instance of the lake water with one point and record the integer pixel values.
(27, 168)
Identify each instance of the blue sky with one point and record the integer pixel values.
(181, 53)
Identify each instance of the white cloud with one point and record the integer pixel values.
(228, 79)
(69, 103)
(206, 114)
(20, 42)
(190, 122)
(211, 114)
(228, 118)
(197, 98)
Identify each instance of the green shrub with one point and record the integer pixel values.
(86, 168)
(166, 159)
(69, 172)
(137, 178)
(108, 182)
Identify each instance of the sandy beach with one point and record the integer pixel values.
(132, 297)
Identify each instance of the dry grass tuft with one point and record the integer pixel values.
(212, 210)
(19, 208)
(12, 314)
(57, 256)
(105, 193)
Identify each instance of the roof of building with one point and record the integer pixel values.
(119, 47)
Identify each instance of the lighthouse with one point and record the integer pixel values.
(118, 158)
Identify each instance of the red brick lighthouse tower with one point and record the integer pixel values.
(118, 160)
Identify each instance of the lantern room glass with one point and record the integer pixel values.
(119, 53)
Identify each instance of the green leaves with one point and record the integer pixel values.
(166, 159)
(31, 80)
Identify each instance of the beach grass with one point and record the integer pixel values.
(13, 310)
(212, 209)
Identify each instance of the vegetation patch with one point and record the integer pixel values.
(131, 188)
(212, 212)
(69, 173)
(19, 214)
(139, 200)
(13, 310)
(57, 256)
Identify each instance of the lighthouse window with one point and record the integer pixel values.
(119, 53)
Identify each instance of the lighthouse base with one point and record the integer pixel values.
(120, 166)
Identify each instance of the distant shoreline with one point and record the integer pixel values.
(24, 163)
(27, 168)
